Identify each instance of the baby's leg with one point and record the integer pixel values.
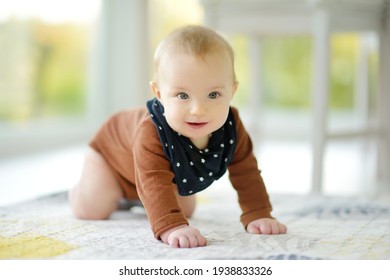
(98, 193)
(187, 204)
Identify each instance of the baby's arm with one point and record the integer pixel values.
(266, 226)
(183, 237)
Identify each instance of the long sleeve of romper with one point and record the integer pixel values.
(246, 179)
(153, 178)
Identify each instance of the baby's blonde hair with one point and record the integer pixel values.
(194, 40)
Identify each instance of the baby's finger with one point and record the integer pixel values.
(202, 241)
(275, 227)
(278, 228)
(254, 229)
(265, 228)
(193, 241)
(174, 242)
(282, 228)
(183, 242)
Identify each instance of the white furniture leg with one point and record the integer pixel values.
(320, 88)
(384, 105)
(255, 87)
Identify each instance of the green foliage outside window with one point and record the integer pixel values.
(287, 70)
(42, 69)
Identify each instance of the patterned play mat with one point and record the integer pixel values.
(319, 228)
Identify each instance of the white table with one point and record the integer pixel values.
(320, 18)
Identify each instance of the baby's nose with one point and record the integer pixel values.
(198, 109)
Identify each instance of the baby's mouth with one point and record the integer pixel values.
(196, 125)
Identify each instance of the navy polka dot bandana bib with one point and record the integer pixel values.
(194, 169)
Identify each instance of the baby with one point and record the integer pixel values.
(187, 137)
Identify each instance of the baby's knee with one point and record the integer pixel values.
(188, 212)
(187, 204)
(189, 208)
(83, 209)
(77, 208)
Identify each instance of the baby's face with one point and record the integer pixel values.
(196, 94)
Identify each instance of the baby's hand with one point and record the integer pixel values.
(266, 226)
(184, 237)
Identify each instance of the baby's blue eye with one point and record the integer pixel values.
(213, 95)
(183, 95)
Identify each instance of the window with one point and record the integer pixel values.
(67, 65)
(44, 52)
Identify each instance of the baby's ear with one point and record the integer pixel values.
(154, 87)
(235, 86)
